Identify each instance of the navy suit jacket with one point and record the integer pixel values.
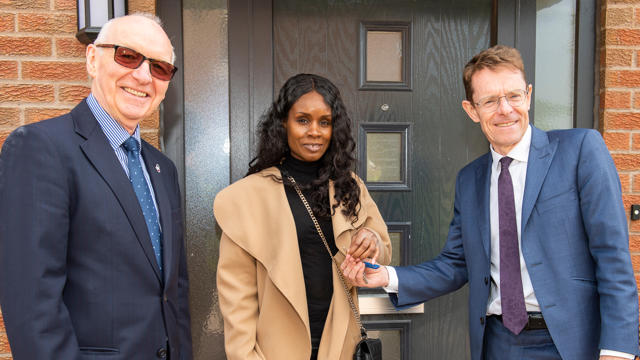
(574, 241)
(78, 276)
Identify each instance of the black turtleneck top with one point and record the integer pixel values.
(316, 263)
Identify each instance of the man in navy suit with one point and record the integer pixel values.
(539, 232)
(92, 259)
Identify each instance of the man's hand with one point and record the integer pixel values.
(354, 270)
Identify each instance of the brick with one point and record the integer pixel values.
(8, 69)
(626, 161)
(151, 137)
(70, 47)
(9, 116)
(616, 57)
(616, 100)
(7, 23)
(619, 17)
(38, 114)
(4, 344)
(148, 6)
(625, 182)
(26, 93)
(635, 261)
(38, 46)
(617, 141)
(65, 4)
(637, 17)
(47, 23)
(635, 141)
(151, 122)
(622, 36)
(73, 93)
(3, 136)
(636, 100)
(622, 78)
(628, 200)
(621, 120)
(54, 70)
(2, 328)
(636, 183)
(24, 4)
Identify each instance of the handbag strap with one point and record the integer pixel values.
(355, 311)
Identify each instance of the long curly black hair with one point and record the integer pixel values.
(337, 161)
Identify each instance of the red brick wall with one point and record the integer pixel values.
(42, 70)
(620, 102)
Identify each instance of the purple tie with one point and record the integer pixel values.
(514, 312)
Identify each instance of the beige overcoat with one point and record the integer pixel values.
(260, 281)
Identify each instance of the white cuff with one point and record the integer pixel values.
(392, 287)
(617, 353)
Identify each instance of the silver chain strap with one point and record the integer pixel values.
(356, 313)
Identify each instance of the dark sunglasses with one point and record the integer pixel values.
(132, 59)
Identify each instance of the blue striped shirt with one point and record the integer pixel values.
(117, 135)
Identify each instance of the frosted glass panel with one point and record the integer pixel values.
(384, 56)
(384, 157)
(555, 48)
(391, 341)
(396, 246)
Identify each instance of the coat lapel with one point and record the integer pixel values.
(541, 154)
(97, 149)
(483, 184)
(341, 224)
(164, 207)
(271, 240)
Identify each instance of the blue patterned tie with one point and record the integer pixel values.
(514, 311)
(141, 189)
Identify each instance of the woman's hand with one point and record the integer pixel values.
(364, 245)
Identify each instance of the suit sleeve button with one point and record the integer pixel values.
(162, 353)
(486, 280)
(164, 298)
(482, 320)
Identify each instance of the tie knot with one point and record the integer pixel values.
(131, 145)
(505, 162)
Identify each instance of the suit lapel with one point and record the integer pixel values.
(97, 149)
(483, 184)
(164, 207)
(541, 154)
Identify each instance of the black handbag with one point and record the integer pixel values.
(367, 348)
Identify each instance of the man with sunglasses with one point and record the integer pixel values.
(92, 259)
(539, 233)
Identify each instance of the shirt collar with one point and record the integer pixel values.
(115, 133)
(520, 152)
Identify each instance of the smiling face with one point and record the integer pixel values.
(506, 126)
(309, 127)
(129, 95)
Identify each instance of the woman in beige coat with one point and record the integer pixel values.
(280, 294)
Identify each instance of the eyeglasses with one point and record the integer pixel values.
(132, 59)
(515, 98)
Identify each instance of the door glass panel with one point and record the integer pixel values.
(555, 49)
(391, 342)
(384, 157)
(384, 56)
(396, 247)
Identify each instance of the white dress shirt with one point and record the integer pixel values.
(518, 171)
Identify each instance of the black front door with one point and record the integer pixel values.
(398, 65)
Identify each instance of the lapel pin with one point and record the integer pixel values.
(158, 168)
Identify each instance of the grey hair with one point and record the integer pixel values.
(102, 35)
